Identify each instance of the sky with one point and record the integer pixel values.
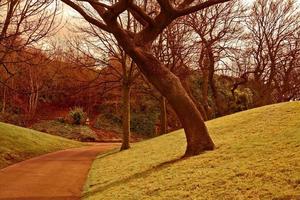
(70, 14)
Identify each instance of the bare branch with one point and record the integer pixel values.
(86, 16)
(140, 15)
(185, 10)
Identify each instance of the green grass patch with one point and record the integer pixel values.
(257, 157)
(17, 144)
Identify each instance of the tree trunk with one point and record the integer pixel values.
(200, 107)
(210, 62)
(163, 116)
(4, 99)
(126, 117)
(169, 85)
(212, 84)
(205, 94)
(216, 96)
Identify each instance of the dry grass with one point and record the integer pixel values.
(257, 157)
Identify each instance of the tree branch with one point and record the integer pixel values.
(86, 16)
(140, 15)
(166, 6)
(97, 3)
(188, 10)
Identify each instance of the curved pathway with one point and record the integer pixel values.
(56, 176)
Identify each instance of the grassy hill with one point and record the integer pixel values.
(257, 157)
(17, 144)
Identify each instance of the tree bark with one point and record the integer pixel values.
(126, 117)
(216, 96)
(205, 94)
(211, 81)
(163, 116)
(199, 106)
(169, 85)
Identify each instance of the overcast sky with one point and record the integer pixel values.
(69, 14)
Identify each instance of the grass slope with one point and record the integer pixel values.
(257, 157)
(17, 144)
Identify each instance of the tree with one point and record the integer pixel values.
(138, 46)
(174, 50)
(272, 46)
(23, 24)
(287, 82)
(27, 21)
(216, 27)
(119, 64)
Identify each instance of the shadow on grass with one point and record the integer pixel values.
(142, 174)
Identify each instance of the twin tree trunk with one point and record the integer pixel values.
(169, 85)
(126, 116)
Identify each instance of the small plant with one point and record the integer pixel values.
(77, 116)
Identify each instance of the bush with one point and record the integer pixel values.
(74, 132)
(108, 122)
(19, 120)
(144, 123)
(105, 108)
(61, 120)
(77, 116)
(243, 99)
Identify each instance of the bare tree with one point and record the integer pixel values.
(174, 49)
(217, 29)
(287, 82)
(102, 47)
(23, 24)
(138, 46)
(272, 47)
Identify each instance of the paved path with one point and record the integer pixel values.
(55, 176)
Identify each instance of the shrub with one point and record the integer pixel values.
(61, 119)
(19, 120)
(74, 132)
(108, 122)
(77, 116)
(243, 99)
(105, 108)
(141, 123)
(144, 123)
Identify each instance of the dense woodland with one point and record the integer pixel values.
(228, 57)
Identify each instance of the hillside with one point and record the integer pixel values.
(257, 157)
(17, 144)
